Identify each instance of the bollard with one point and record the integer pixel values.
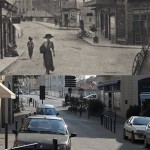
(115, 125)
(29, 114)
(33, 103)
(22, 120)
(106, 122)
(81, 110)
(29, 102)
(6, 135)
(16, 125)
(55, 146)
(111, 124)
(101, 120)
(26, 116)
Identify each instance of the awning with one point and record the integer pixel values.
(17, 27)
(108, 83)
(144, 96)
(5, 92)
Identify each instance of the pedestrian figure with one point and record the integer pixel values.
(55, 21)
(66, 99)
(47, 48)
(30, 46)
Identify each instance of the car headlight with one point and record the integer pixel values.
(62, 147)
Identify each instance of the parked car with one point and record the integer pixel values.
(91, 96)
(42, 130)
(147, 136)
(134, 128)
(46, 109)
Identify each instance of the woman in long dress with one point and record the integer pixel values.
(47, 54)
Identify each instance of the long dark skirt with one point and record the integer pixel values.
(48, 61)
(30, 51)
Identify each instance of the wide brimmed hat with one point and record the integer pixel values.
(30, 38)
(48, 36)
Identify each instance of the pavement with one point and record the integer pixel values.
(103, 42)
(18, 117)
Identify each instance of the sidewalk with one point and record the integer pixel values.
(103, 42)
(7, 61)
(18, 117)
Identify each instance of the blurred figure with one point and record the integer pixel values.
(30, 46)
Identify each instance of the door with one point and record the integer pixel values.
(66, 19)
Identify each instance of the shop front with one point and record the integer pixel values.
(110, 94)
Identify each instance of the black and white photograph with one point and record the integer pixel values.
(101, 37)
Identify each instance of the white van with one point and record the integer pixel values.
(46, 109)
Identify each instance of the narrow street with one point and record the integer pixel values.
(73, 55)
(90, 134)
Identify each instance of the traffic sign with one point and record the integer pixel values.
(70, 81)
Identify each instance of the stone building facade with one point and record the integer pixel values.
(123, 21)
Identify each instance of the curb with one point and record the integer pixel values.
(12, 62)
(55, 28)
(111, 46)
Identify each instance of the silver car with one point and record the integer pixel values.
(42, 130)
(134, 128)
(147, 136)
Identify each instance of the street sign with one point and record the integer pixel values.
(70, 81)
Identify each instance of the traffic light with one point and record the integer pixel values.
(70, 81)
(42, 92)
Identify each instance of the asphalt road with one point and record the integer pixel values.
(90, 134)
(73, 55)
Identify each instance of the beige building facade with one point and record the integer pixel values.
(6, 100)
(119, 92)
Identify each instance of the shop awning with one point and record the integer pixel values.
(108, 83)
(5, 92)
(145, 96)
(17, 27)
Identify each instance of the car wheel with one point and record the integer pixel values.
(145, 143)
(124, 134)
(132, 138)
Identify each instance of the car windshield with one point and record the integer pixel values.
(47, 126)
(46, 111)
(141, 121)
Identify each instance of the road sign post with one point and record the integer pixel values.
(42, 93)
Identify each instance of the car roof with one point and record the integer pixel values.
(46, 106)
(139, 117)
(45, 117)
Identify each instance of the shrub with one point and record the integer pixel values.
(133, 111)
(95, 107)
(146, 111)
